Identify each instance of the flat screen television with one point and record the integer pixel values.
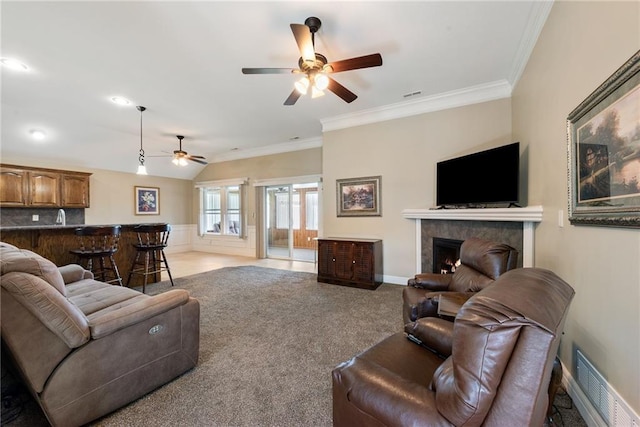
(487, 178)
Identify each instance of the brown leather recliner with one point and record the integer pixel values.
(481, 262)
(503, 347)
(85, 348)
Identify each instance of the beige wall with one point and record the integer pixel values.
(296, 163)
(581, 45)
(404, 152)
(112, 199)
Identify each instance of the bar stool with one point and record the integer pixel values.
(152, 239)
(99, 243)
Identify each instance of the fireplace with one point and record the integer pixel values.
(513, 226)
(446, 253)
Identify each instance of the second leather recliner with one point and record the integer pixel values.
(481, 262)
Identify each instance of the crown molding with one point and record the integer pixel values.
(537, 17)
(285, 147)
(443, 101)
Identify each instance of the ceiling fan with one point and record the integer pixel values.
(315, 67)
(180, 156)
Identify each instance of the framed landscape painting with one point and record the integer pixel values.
(604, 152)
(359, 196)
(147, 200)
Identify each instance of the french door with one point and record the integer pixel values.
(291, 221)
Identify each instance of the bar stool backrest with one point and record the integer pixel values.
(98, 238)
(153, 235)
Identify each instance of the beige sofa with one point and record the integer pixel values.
(85, 348)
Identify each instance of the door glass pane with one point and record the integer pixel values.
(277, 222)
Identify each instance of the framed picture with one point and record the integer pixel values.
(359, 196)
(603, 134)
(147, 200)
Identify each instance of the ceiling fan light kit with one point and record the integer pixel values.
(315, 67)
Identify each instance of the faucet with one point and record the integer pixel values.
(62, 218)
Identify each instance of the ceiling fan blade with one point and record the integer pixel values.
(302, 33)
(202, 162)
(268, 70)
(293, 97)
(373, 60)
(196, 157)
(341, 91)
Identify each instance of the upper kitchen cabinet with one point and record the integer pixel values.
(22, 186)
(44, 189)
(14, 187)
(74, 190)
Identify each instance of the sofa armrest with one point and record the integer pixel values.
(431, 281)
(121, 318)
(73, 273)
(432, 332)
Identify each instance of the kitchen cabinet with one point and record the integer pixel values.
(350, 262)
(22, 186)
(14, 187)
(44, 189)
(74, 190)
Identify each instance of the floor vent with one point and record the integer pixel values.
(611, 407)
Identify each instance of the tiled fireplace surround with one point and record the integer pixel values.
(513, 226)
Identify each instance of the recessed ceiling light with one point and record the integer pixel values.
(119, 100)
(13, 64)
(37, 134)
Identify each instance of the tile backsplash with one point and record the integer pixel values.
(11, 217)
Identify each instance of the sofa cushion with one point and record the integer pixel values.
(91, 296)
(13, 259)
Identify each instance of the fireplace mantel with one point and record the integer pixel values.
(527, 216)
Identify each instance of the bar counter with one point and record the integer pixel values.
(55, 241)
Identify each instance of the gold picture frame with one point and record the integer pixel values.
(603, 135)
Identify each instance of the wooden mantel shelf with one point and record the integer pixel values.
(528, 214)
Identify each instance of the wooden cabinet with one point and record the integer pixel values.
(350, 262)
(14, 187)
(44, 189)
(22, 186)
(74, 190)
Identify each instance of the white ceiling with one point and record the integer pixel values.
(182, 60)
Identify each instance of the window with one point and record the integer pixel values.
(221, 209)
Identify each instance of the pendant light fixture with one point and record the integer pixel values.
(142, 170)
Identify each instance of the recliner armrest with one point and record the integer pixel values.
(432, 332)
(73, 273)
(115, 320)
(431, 281)
(385, 396)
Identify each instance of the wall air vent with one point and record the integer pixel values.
(611, 407)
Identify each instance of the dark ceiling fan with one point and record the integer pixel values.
(180, 156)
(315, 68)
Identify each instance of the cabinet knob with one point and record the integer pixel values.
(354, 261)
(334, 260)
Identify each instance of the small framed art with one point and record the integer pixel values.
(147, 200)
(359, 196)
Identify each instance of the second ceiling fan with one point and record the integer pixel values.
(315, 68)
(180, 157)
